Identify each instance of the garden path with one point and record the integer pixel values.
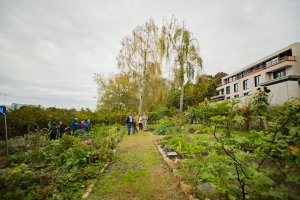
(137, 172)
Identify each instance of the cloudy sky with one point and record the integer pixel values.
(50, 49)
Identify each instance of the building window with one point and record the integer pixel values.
(245, 84)
(235, 87)
(228, 90)
(227, 97)
(279, 73)
(236, 96)
(246, 93)
(222, 92)
(257, 80)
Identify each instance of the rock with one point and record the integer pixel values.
(87, 142)
(206, 188)
(213, 138)
(205, 153)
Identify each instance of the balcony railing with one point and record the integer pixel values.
(261, 67)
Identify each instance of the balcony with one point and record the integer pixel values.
(218, 98)
(281, 79)
(259, 68)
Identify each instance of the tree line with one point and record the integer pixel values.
(159, 72)
(158, 67)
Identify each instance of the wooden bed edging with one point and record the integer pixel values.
(185, 188)
(91, 186)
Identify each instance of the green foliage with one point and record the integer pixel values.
(235, 164)
(169, 125)
(58, 169)
(260, 102)
(30, 119)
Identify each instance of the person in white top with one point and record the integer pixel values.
(140, 122)
(145, 118)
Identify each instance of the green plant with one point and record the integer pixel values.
(58, 169)
(237, 165)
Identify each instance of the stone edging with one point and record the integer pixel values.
(186, 188)
(90, 188)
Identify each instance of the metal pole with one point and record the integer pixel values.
(4, 97)
(6, 135)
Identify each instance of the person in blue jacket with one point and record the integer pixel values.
(74, 125)
(88, 125)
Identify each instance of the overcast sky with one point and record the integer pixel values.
(50, 50)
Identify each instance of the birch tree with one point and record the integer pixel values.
(178, 44)
(139, 55)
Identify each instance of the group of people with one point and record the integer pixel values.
(83, 125)
(62, 129)
(134, 121)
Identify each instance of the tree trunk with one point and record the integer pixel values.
(263, 123)
(142, 87)
(181, 98)
(266, 125)
(140, 103)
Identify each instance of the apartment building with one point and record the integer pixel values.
(279, 71)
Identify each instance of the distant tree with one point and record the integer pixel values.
(117, 93)
(215, 82)
(204, 87)
(178, 44)
(218, 77)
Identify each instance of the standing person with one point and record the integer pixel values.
(192, 117)
(62, 128)
(140, 122)
(53, 131)
(145, 118)
(74, 125)
(135, 122)
(88, 125)
(82, 125)
(68, 130)
(129, 120)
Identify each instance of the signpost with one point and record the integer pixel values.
(3, 113)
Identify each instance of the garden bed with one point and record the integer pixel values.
(59, 169)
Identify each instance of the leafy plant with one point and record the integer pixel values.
(58, 169)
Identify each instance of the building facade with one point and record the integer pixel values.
(280, 72)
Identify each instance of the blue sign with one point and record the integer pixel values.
(2, 110)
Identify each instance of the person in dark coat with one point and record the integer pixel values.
(62, 128)
(53, 131)
(129, 120)
(68, 130)
(192, 117)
